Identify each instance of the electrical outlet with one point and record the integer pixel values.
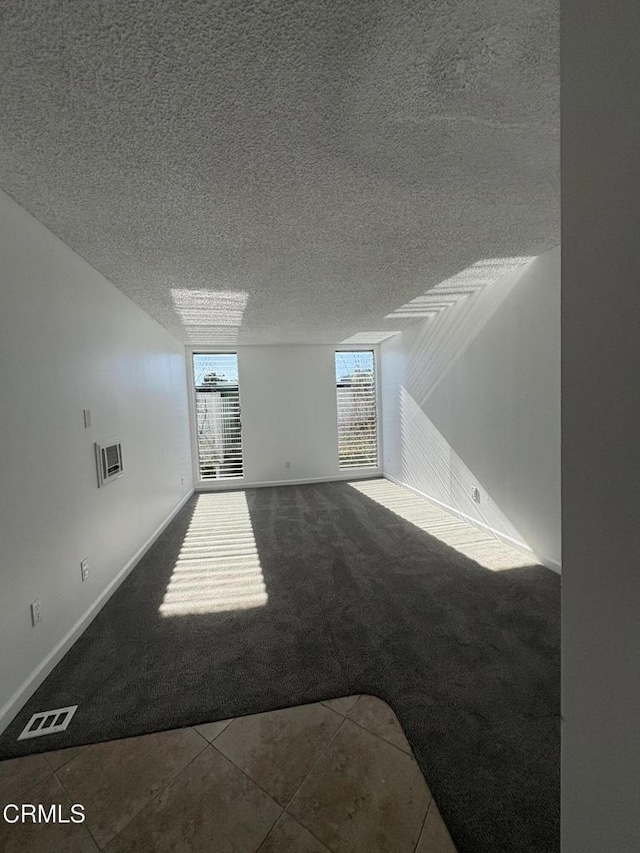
(287, 464)
(475, 494)
(84, 569)
(36, 611)
(182, 482)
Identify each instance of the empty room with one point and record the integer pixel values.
(281, 416)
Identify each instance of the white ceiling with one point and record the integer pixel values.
(286, 170)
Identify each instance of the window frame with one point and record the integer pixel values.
(213, 483)
(375, 351)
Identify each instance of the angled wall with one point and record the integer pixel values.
(70, 340)
(471, 397)
(601, 426)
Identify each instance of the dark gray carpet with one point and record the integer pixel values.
(360, 601)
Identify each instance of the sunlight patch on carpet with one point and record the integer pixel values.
(476, 544)
(218, 568)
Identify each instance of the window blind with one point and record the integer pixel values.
(218, 425)
(357, 409)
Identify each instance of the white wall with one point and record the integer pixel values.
(70, 340)
(289, 413)
(600, 427)
(472, 397)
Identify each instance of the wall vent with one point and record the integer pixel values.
(109, 462)
(48, 722)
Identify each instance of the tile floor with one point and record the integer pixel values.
(333, 777)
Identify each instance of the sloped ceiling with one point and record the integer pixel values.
(285, 170)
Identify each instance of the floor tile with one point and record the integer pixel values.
(46, 837)
(435, 837)
(17, 775)
(278, 749)
(210, 731)
(114, 780)
(59, 757)
(342, 705)
(287, 836)
(363, 796)
(376, 716)
(211, 807)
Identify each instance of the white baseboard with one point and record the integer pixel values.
(9, 710)
(239, 485)
(503, 537)
(551, 564)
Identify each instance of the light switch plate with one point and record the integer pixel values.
(36, 611)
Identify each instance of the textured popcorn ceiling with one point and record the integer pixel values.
(264, 172)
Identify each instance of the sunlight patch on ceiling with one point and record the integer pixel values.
(369, 337)
(218, 568)
(210, 316)
(453, 289)
(478, 545)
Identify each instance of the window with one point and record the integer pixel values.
(357, 409)
(218, 427)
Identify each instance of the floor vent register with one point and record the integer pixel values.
(48, 722)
